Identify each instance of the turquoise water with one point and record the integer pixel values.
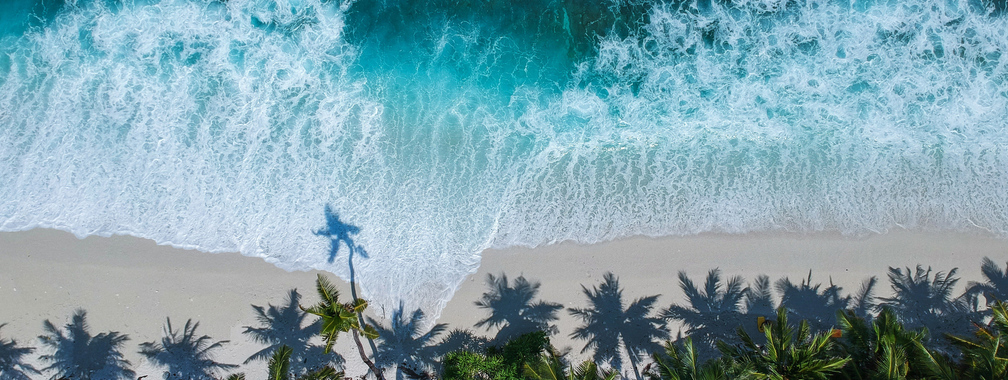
(442, 128)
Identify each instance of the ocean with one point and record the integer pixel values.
(443, 128)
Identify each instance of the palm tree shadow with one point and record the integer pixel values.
(995, 288)
(713, 312)
(12, 360)
(285, 326)
(817, 307)
(185, 355)
(514, 309)
(78, 354)
(338, 231)
(922, 300)
(405, 346)
(609, 325)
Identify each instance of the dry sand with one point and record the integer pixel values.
(130, 285)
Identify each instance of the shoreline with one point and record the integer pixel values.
(130, 284)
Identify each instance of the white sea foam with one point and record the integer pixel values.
(229, 126)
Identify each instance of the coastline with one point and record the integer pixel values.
(130, 284)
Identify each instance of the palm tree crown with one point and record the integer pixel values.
(187, 356)
(12, 365)
(883, 348)
(985, 357)
(514, 310)
(713, 312)
(402, 343)
(789, 352)
(78, 355)
(336, 317)
(285, 326)
(608, 325)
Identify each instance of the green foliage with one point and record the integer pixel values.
(280, 368)
(337, 317)
(986, 358)
(523, 349)
(550, 366)
(279, 364)
(465, 365)
(503, 363)
(882, 350)
(682, 362)
(788, 354)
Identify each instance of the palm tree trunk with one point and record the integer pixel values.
(353, 292)
(363, 356)
(633, 364)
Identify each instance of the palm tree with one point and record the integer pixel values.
(338, 231)
(682, 362)
(404, 345)
(986, 358)
(279, 368)
(514, 310)
(817, 307)
(788, 353)
(78, 355)
(285, 326)
(883, 349)
(922, 301)
(12, 365)
(713, 313)
(187, 356)
(550, 366)
(607, 325)
(996, 286)
(339, 317)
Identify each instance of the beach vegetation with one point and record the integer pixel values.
(505, 362)
(680, 360)
(186, 355)
(337, 232)
(288, 325)
(514, 310)
(923, 330)
(883, 348)
(279, 368)
(986, 356)
(404, 345)
(551, 366)
(789, 353)
(76, 354)
(609, 324)
(12, 360)
(336, 318)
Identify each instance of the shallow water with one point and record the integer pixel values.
(442, 128)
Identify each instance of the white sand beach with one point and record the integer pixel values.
(130, 285)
